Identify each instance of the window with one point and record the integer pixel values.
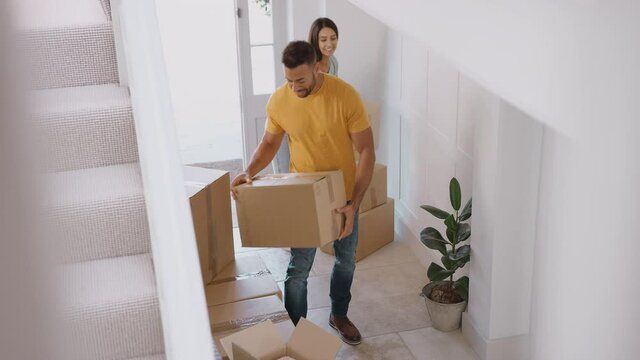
(262, 49)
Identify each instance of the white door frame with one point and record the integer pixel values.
(253, 107)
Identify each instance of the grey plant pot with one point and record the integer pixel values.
(444, 317)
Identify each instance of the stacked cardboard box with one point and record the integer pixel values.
(242, 295)
(240, 292)
(376, 226)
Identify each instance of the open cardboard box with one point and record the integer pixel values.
(208, 192)
(263, 341)
(291, 210)
(285, 328)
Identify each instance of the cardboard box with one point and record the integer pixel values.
(246, 313)
(285, 329)
(376, 229)
(208, 192)
(262, 341)
(291, 210)
(242, 268)
(376, 194)
(242, 289)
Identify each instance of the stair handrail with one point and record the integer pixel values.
(183, 308)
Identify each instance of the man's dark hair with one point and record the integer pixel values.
(298, 53)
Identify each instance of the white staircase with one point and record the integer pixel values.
(86, 126)
(94, 196)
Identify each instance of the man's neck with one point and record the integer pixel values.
(319, 83)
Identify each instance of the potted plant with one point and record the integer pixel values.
(445, 298)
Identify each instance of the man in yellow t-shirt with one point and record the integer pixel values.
(324, 118)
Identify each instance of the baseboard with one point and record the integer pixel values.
(509, 348)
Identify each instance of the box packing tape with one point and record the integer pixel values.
(247, 322)
(253, 274)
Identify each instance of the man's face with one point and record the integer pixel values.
(301, 79)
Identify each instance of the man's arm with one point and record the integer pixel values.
(263, 155)
(363, 142)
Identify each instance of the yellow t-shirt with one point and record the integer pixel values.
(319, 127)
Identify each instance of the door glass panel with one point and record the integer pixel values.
(260, 24)
(263, 69)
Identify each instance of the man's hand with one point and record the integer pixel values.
(349, 212)
(265, 152)
(242, 178)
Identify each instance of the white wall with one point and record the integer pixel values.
(199, 40)
(507, 150)
(572, 66)
(360, 50)
(301, 15)
(428, 115)
(587, 244)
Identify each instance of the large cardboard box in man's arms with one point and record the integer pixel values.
(291, 210)
(208, 192)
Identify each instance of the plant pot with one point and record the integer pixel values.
(444, 317)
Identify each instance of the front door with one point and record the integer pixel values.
(261, 37)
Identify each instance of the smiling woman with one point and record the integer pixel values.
(323, 35)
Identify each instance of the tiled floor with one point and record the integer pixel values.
(386, 307)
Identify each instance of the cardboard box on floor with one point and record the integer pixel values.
(291, 210)
(230, 312)
(375, 230)
(285, 329)
(376, 194)
(208, 192)
(241, 289)
(262, 341)
(245, 313)
(241, 268)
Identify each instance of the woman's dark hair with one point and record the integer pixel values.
(314, 33)
(298, 53)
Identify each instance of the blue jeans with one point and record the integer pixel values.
(295, 285)
(281, 161)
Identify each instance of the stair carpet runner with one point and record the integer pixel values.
(94, 193)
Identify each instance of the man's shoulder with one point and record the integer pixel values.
(281, 91)
(278, 96)
(340, 87)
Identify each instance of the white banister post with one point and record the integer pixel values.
(183, 308)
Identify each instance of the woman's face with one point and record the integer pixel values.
(327, 41)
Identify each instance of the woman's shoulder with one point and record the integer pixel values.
(333, 65)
